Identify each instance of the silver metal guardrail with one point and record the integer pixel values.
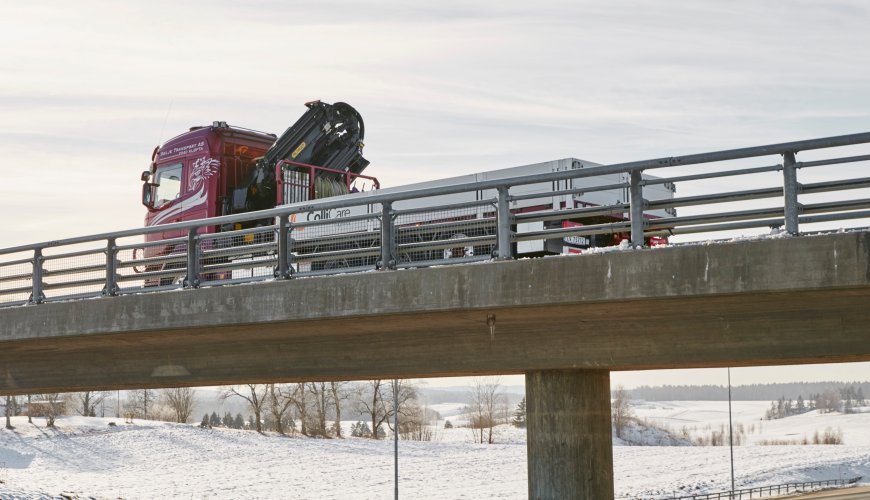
(397, 228)
(770, 491)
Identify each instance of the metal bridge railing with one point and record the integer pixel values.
(769, 491)
(428, 226)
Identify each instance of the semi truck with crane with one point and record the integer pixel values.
(220, 169)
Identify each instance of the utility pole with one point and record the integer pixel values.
(396, 435)
(730, 432)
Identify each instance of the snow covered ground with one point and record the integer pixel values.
(88, 458)
(700, 418)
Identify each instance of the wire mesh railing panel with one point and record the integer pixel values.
(334, 244)
(16, 278)
(150, 266)
(130, 264)
(70, 273)
(249, 254)
(442, 236)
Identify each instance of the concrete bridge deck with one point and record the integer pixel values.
(775, 301)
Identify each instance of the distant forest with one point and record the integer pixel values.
(754, 392)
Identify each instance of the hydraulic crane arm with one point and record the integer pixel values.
(327, 135)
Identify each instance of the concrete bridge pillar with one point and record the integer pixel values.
(570, 450)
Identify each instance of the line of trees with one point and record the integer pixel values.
(752, 392)
(176, 404)
(316, 408)
(308, 408)
(845, 399)
(228, 421)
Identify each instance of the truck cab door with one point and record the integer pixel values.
(167, 206)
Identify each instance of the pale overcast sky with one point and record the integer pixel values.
(87, 89)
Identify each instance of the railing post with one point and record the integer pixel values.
(192, 279)
(283, 271)
(36, 295)
(503, 229)
(111, 268)
(790, 188)
(388, 260)
(636, 208)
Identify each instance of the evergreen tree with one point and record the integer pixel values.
(447, 424)
(519, 419)
(239, 422)
(215, 420)
(228, 420)
(204, 422)
(360, 429)
(801, 407)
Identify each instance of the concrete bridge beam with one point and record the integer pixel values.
(570, 450)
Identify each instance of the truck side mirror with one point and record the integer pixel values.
(146, 175)
(147, 194)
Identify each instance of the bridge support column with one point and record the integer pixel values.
(570, 450)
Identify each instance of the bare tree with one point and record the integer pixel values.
(370, 400)
(181, 401)
(486, 399)
(620, 410)
(255, 395)
(339, 393)
(299, 396)
(8, 412)
(53, 407)
(140, 402)
(86, 402)
(321, 400)
(279, 403)
(828, 401)
(409, 411)
(375, 399)
(414, 419)
(29, 418)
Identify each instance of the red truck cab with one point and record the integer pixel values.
(220, 170)
(193, 175)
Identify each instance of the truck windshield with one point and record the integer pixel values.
(168, 184)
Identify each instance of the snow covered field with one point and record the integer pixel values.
(88, 458)
(699, 418)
